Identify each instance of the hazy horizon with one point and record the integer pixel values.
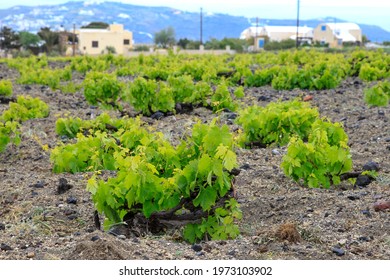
(374, 12)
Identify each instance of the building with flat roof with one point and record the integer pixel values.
(336, 34)
(277, 33)
(97, 41)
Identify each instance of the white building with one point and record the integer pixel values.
(335, 34)
(277, 33)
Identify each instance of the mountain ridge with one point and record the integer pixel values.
(144, 21)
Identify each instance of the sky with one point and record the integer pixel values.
(376, 12)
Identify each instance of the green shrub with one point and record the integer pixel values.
(24, 109)
(102, 89)
(370, 73)
(154, 178)
(276, 122)
(378, 95)
(9, 132)
(321, 160)
(6, 88)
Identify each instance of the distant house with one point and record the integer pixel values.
(96, 41)
(336, 34)
(277, 33)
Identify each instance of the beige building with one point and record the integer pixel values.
(335, 34)
(96, 41)
(277, 33)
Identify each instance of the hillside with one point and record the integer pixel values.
(145, 21)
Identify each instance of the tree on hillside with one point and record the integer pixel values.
(28, 39)
(9, 39)
(365, 39)
(236, 44)
(183, 43)
(165, 37)
(188, 44)
(51, 38)
(96, 25)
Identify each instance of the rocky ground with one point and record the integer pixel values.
(281, 219)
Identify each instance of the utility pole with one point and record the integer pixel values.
(297, 41)
(74, 40)
(257, 27)
(1, 37)
(201, 26)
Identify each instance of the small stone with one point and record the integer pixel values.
(263, 98)
(157, 116)
(381, 205)
(231, 116)
(72, 217)
(183, 108)
(363, 180)
(2, 226)
(342, 242)
(232, 253)
(340, 91)
(38, 185)
(309, 209)
(381, 112)
(63, 186)
(235, 172)
(30, 255)
(275, 152)
(5, 247)
(71, 200)
(364, 239)
(121, 236)
(120, 229)
(199, 254)
(371, 166)
(245, 166)
(338, 251)
(68, 212)
(197, 247)
(95, 238)
(263, 249)
(360, 118)
(326, 214)
(353, 197)
(366, 212)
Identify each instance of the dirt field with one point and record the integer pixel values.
(340, 223)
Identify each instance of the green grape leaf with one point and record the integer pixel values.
(206, 198)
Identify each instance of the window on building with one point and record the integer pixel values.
(95, 44)
(339, 42)
(126, 42)
(323, 28)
